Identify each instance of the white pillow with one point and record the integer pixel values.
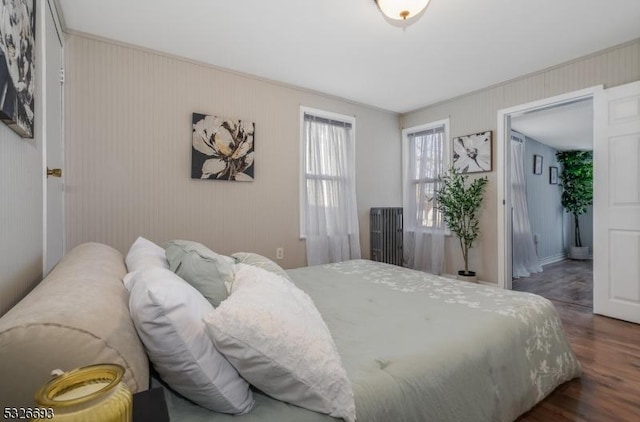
(144, 253)
(167, 313)
(274, 336)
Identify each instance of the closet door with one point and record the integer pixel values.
(52, 139)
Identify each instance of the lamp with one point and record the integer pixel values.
(92, 393)
(401, 9)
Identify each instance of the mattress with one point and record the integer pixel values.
(419, 347)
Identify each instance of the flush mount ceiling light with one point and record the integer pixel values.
(401, 9)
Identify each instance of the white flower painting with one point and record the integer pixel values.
(222, 149)
(17, 65)
(472, 153)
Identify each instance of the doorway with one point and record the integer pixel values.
(542, 230)
(505, 116)
(616, 196)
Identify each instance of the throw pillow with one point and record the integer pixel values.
(274, 336)
(210, 273)
(263, 262)
(144, 253)
(167, 313)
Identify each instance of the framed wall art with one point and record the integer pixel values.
(17, 65)
(553, 175)
(473, 153)
(222, 149)
(537, 164)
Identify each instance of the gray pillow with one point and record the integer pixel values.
(210, 273)
(259, 261)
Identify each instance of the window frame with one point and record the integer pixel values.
(302, 170)
(407, 194)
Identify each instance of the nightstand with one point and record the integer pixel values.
(150, 405)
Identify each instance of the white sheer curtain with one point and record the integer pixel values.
(525, 260)
(329, 204)
(424, 226)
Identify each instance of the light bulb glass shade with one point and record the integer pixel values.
(401, 9)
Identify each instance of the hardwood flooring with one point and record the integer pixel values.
(609, 389)
(566, 281)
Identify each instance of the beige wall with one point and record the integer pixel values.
(477, 112)
(128, 153)
(21, 209)
(20, 216)
(127, 148)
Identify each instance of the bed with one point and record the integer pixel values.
(414, 346)
(420, 347)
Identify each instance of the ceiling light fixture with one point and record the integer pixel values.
(401, 9)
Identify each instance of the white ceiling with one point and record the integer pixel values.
(562, 127)
(348, 49)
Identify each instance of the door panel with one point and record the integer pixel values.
(623, 182)
(617, 212)
(54, 212)
(625, 247)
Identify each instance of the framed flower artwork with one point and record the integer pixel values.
(17, 65)
(222, 149)
(473, 153)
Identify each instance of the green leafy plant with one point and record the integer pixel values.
(459, 202)
(576, 180)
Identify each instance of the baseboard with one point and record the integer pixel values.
(553, 258)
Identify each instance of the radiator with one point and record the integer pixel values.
(386, 235)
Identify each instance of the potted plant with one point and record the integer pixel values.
(459, 202)
(576, 180)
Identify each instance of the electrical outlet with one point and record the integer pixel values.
(279, 253)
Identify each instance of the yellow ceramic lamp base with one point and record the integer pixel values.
(93, 393)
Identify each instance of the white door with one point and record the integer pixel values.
(616, 283)
(54, 212)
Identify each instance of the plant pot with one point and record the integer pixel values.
(467, 276)
(579, 252)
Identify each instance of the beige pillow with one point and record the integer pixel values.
(253, 259)
(77, 316)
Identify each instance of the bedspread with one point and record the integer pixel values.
(419, 347)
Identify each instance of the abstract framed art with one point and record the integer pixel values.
(553, 175)
(472, 153)
(17, 65)
(537, 164)
(222, 149)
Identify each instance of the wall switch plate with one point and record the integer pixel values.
(279, 253)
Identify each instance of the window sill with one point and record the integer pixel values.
(447, 233)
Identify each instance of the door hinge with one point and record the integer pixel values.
(62, 75)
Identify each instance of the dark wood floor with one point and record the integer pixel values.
(565, 281)
(609, 389)
(608, 349)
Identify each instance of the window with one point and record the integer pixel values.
(328, 211)
(426, 159)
